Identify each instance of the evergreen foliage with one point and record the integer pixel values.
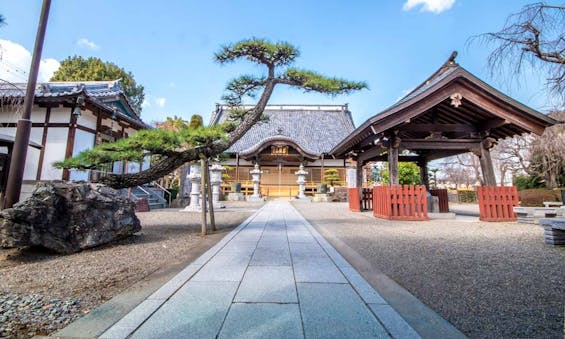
(178, 144)
(331, 176)
(77, 68)
(408, 174)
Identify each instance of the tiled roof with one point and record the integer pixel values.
(108, 94)
(316, 129)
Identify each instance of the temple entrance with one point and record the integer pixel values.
(279, 181)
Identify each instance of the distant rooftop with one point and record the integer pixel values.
(107, 94)
(315, 128)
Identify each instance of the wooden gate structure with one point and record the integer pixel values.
(497, 203)
(400, 202)
(450, 113)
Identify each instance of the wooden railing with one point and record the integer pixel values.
(443, 199)
(399, 202)
(354, 199)
(496, 203)
(367, 199)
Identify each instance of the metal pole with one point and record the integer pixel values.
(18, 161)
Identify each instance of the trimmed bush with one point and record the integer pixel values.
(467, 196)
(535, 197)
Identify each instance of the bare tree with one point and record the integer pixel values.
(534, 36)
(548, 153)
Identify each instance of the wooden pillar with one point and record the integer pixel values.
(423, 164)
(70, 142)
(359, 174)
(486, 163)
(43, 143)
(393, 163)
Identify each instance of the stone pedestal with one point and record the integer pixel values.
(256, 179)
(236, 196)
(216, 181)
(321, 197)
(194, 178)
(301, 181)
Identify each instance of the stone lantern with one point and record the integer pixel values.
(256, 178)
(216, 181)
(301, 181)
(194, 177)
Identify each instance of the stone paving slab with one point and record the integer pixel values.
(273, 276)
(267, 284)
(197, 310)
(335, 311)
(272, 321)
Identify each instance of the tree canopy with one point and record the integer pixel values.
(534, 36)
(196, 142)
(77, 68)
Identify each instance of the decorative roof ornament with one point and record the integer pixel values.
(456, 99)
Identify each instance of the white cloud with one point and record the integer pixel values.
(145, 103)
(434, 6)
(161, 102)
(15, 61)
(84, 42)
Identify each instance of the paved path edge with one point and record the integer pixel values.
(418, 315)
(106, 315)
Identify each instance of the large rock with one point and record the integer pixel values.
(68, 217)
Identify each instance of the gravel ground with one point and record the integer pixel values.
(491, 280)
(41, 292)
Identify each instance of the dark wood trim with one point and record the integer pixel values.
(70, 142)
(43, 143)
(86, 129)
(416, 127)
(438, 145)
(39, 124)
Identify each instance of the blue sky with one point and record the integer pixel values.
(169, 45)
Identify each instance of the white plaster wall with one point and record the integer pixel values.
(87, 119)
(55, 149)
(83, 141)
(60, 114)
(38, 114)
(32, 158)
(9, 115)
(130, 131)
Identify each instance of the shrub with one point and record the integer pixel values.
(467, 195)
(535, 197)
(523, 182)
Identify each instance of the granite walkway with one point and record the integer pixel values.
(274, 276)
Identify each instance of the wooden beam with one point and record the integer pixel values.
(393, 165)
(415, 127)
(507, 114)
(447, 144)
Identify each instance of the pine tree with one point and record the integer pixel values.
(194, 143)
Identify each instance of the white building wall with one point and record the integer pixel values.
(60, 114)
(87, 119)
(55, 149)
(32, 158)
(83, 141)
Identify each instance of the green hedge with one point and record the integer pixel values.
(535, 197)
(467, 196)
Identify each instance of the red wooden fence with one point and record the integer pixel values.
(443, 200)
(354, 199)
(496, 203)
(367, 199)
(399, 202)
